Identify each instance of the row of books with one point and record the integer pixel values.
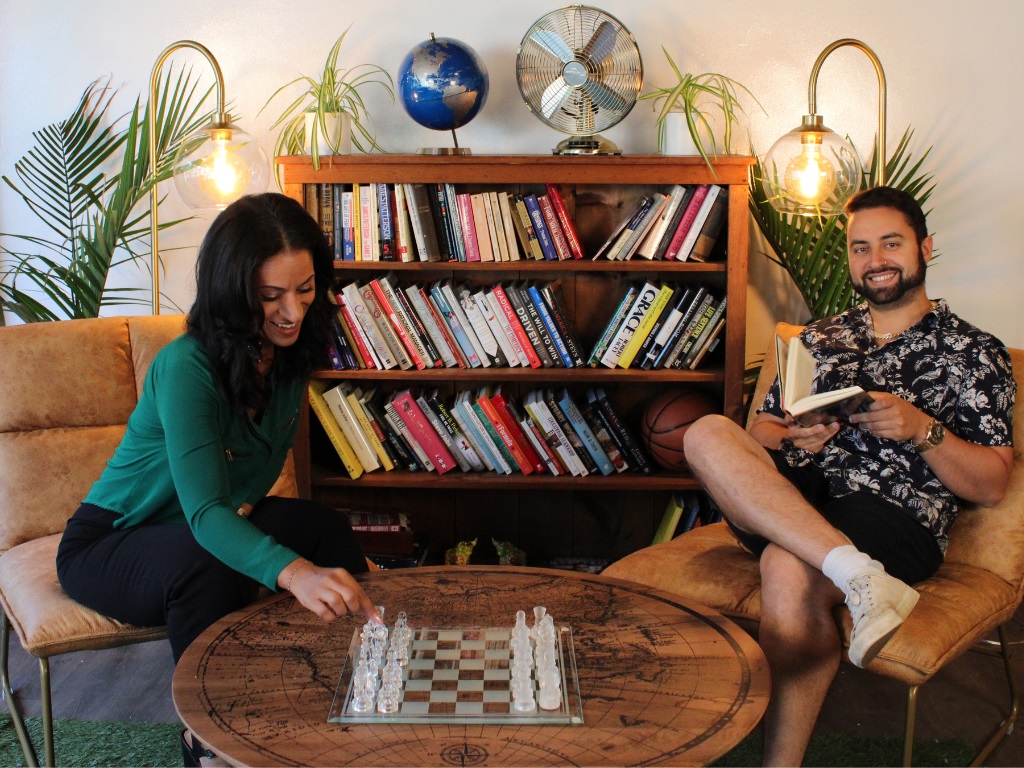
(686, 510)
(547, 433)
(434, 222)
(383, 533)
(381, 324)
(661, 326)
(682, 224)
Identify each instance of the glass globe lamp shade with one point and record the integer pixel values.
(219, 164)
(811, 171)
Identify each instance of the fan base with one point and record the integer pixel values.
(586, 145)
(444, 151)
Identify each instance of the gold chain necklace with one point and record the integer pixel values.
(894, 334)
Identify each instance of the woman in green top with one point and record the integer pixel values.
(178, 530)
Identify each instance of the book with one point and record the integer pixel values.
(458, 236)
(629, 445)
(796, 385)
(384, 327)
(409, 411)
(698, 222)
(379, 521)
(326, 199)
(446, 289)
(504, 456)
(470, 433)
(700, 317)
(703, 338)
(442, 325)
(348, 252)
(537, 408)
(647, 320)
(658, 320)
(506, 413)
(354, 335)
(455, 325)
(375, 438)
(556, 307)
(548, 321)
(442, 222)
(442, 432)
(315, 394)
(469, 227)
(341, 409)
(483, 233)
(386, 215)
(501, 426)
(421, 220)
(554, 228)
(357, 224)
(613, 325)
(500, 328)
(475, 317)
(337, 243)
(604, 437)
(396, 422)
(670, 519)
(498, 242)
(532, 325)
(431, 357)
(366, 239)
(488, 451)
(641, 305)
(649, 245)
(527, 234)
(586, 435)
(540, 227)
(709, 344)
(571, 435)
(629, 247)
(696, 200)
(568, 228)
(403, 228)
(610, 250)
(691, 306)
(455, 431)
(706, 241)
(521, 338)
(430, 326)
(671, 318)
(508, 225)
(401, 451)
(673, 225)
(400, 325)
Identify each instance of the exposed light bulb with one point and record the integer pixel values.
(810, 178)
(223, 174)
(217, 165)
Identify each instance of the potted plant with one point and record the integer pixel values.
(688, 103)
(330, 114)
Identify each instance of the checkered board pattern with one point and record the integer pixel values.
(457, 675)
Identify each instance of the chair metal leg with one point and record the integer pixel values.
(1005, 648)
(27, 748)
(47, 710)
(911, 723)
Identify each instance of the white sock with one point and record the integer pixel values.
(847, 562)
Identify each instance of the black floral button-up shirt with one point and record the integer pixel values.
(944, 366)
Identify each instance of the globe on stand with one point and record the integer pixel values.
(442, 84)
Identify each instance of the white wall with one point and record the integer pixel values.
(953, 73)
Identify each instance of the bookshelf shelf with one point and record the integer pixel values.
(602, 516)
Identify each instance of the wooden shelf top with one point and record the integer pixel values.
(518, 169)
(575, 376)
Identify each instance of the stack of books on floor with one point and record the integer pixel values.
(682, 224)
(381, 324)
(661, 325)
(548, 432)
(434, 222)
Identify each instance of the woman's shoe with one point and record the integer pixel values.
(192, 753)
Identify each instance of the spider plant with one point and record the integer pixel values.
(335, 91)
(695, 96)
(91, 217)
(813, 249)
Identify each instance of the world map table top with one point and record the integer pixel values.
(662, 682)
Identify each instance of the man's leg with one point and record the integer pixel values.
(742, 479)
(801, 642)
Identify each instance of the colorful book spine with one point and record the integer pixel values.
(508, 225)
(386, 238)
(421, 221)
(470, 433)
(644, 298)
(334, 432)
(507, 461)
(522, 338)
(570, 434)
(538, 410)
(348, 252)
(403, 230)
(500, 329)
(568, 228)
(531, 323)
(632, 448)
(401, 328)
(497, 229)
(650, 317)
(549, 323)
(447, 289)
(604, 437)
(698, 223)
(692, 207)
(613, 326)
(335, 397)
(373, 438)
(530, 243)
(554, 228)
(384, 328)
(397, 423)
(442, 432)
(667, 327)
(451, 425)
(469, 230)
(461, 360)
(409, 411)
(504, 411)
(586, 435)
(525, 465)
(683, 323)
(420, 309)
(540, 227)
(556, 307)
(455, 325)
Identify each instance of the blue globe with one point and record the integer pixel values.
(442, 83)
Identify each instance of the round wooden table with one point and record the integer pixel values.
(662, 682)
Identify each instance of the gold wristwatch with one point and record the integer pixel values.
(933, 435)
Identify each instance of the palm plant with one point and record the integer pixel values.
(813, 249)
(91, 217)
(336, 91)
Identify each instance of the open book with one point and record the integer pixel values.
(796, 374)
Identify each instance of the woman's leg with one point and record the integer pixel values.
(148, 575)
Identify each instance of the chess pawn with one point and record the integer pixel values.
(538, 615)
(522, 696)
(387, 699)
(550, 695)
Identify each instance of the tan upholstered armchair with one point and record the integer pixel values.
(66, 391)
(974, 593)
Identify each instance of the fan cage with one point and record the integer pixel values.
(613, 79)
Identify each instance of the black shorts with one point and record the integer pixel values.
(876, 526)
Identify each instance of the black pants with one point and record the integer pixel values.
(157, 575)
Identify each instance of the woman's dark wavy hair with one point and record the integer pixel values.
(227, 311)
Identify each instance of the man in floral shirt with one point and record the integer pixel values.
(858, 508)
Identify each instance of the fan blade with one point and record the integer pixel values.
(601, 44)
(553, 44)
(603, 96)
(554, 97)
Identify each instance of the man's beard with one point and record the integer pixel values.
(892, 293)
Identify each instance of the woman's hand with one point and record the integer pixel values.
(327, 592)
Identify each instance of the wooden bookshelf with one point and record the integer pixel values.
(546, 516)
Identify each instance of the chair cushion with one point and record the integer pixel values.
(958, 605)
(46, 620)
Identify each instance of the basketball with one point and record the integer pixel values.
(666, 420)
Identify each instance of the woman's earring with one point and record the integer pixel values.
(255, 349)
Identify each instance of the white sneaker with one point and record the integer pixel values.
(878, 604)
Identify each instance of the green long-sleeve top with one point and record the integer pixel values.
(187, 456)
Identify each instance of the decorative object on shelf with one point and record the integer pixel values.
(443, 84)
(65, 182)
(460, 553)
(314, 123)
(579, 70)
(214, 166)
(683, 124)
(508, 553)
(666, 419)
(812, 171)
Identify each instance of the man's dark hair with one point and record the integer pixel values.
(227, 312)
(890, 197)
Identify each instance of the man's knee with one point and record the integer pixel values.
(708, 432)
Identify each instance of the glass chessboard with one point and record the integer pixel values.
(462, 676)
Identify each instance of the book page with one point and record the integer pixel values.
(796, 376)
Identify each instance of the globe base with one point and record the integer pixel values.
(586, 145)
(444, 151)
